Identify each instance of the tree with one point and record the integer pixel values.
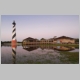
(55, 37)
(77, 40)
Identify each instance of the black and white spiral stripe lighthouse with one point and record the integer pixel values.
(14, 32)
(14, 42)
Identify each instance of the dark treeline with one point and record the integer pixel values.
(9, 41)
(6, 41)
(77, 40)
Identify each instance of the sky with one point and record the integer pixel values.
(39, 26)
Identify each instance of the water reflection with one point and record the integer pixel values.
(30, 47)
(64, 48)
(59, 48)
(14, 53)
(34, 54)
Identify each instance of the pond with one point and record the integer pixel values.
(39, 54)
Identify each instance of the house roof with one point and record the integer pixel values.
(64, 37)
(51, 39)
(30, 38)
(43, 39)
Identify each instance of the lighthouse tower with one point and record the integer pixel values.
(14, 41)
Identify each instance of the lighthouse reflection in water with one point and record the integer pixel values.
(14, 53)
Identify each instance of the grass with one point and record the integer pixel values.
(65, 58)
(73, 57)
(37, 62)
(73, 45)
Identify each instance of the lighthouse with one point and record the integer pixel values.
(14, 41)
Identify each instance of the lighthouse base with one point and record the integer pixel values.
(14, 43)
